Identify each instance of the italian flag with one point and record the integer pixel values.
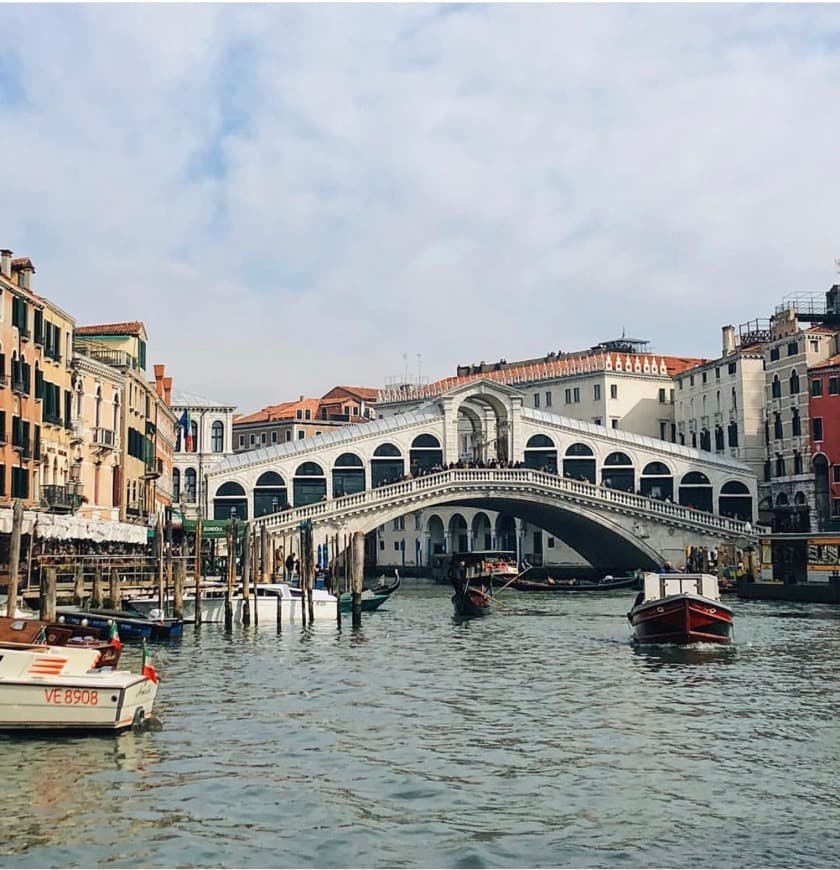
(149, 671)
(114, 636)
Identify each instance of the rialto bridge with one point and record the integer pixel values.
(617, 498)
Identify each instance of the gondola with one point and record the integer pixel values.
(472, 575)
(471, 601)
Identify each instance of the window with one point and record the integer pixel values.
(576, 394)
(274, 437)
(733, 434)
(241, 440)
(176, 485)
(815, 345)
(718, 437)
(568, 396)
(301, 434)
(596, 392)
(816, 387)
(818, 428)
(536, 400)
(263, 438)
(780, 465)
(549, 542)
(299, 414)
(792, 348)
(663, 429)
(613, 391)
(691, 380)
(662, 395)
(797, 462)
(774, 354)
(614, 423)
(833, 386)
(20, 482)
(189, 486)
(288, 434)
(835, 470)
(794, 383)
(704, 377)
(596, 421)
(307, 414)
(796, 423)
(548, 398)
(776, 388)
(217, 437)
(396, 545)
(717, 373)
(679, 383)
(252, 440)
(734, 399)
(732, 368)
(835, 502)
(777, 426)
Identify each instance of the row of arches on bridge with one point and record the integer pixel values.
(311, 483)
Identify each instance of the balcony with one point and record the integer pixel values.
(25, 332)
(39, 338)
(61, 498)
(119, 359)
(103, 437)
(19, 386)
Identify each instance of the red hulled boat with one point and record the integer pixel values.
(680, 609)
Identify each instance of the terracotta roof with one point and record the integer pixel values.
(22, 263)
(366, 393)
(283, 411)
(831, 362)
(133, 327)
(652, 364)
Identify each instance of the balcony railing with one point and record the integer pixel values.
(60, 496)
(120, 359)
(103, 437)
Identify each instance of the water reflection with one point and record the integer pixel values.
(670, 655)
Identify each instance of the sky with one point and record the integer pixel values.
(292, 197)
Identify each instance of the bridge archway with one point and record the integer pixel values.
(425, 454)
(488, 418)
(230, 502)
(657, 481)
(437, 535)
(482, 532)
(458, 536)
(505, 532)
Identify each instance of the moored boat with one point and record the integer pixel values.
(524, 585)
(680, 609)
(132, 624)
(23, 630)
(375, 597)
(63, 688)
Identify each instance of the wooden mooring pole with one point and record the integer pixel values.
(358, 576)
(246, 576)
(114, 590)
(78, 583)
(336, 578)
(178, 589)
(197, 571)
(231, 573)
(48, 594)
(14, 556)
(96, 589)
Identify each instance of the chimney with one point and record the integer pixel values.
(6, 262)
(301, 398)
(159, 370)
(167, 390)
(728, 340)
(24, 275)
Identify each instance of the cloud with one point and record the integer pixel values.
(292, 197)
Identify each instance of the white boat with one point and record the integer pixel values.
(266, 596)
(59, 688)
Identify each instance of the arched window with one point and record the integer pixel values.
(735, 501)
(189, 486)
(230, 502)
(776, 389)
(386, 466)
(176, 485)
(192, 441)
(657, 481)
(718, 437)
(618, 472)
(579, 463)
(796, 423)
(777, 425)
(348, 475)
(541, 453)
(217, 437)
(309, 484)
(425, 455)
(270, 494)
(696, 491)
(794, 383)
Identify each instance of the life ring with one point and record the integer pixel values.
(660, 609)
(712, 610)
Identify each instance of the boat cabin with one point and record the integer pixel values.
(658, 586)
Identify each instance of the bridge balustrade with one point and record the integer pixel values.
(345, 506)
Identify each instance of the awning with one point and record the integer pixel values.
(214, 528)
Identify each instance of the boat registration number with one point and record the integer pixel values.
(70, 697)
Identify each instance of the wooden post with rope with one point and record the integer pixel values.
(246, 576)
(180, 576)
(231, 569)
(48, 594)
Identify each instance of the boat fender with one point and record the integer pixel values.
(156, 613)
(660, 609)
(137, 721)
(713, 610)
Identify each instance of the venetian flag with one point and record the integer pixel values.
(114, 636)
(149, 671)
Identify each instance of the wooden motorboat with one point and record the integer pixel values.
(132, 624)
(23, 630)
(524, 585)
(680, 609)
(64, 688)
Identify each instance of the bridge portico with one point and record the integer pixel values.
(611, 495)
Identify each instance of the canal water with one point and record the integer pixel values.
(536, 737)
